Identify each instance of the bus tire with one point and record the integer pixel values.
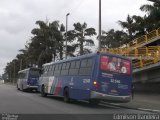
(23, 89)
(94, 102)
(43, 94)
(66, 95)
(17, 87)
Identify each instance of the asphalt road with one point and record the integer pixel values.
(18, 102)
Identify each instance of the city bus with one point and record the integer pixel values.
(92, 77)
(28, 79)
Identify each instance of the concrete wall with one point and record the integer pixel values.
(147, 76)
(147, 80)
(147, 87)
(1, 81)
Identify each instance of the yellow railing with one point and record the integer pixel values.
(153, 34)
(144, 55)
(145, 38)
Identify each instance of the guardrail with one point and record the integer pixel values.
(144, 55)
(145, 38)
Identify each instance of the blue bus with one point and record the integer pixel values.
(92, 77)
(28, 79)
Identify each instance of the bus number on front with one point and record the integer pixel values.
(115, 81)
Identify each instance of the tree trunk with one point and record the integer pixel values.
(61, 53)
(81, 47)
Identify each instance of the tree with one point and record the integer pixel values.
(152, 15)
(156, 1)
(139, 25)
(113, 39)
(129, 26)
(47, 42)
(81, 33)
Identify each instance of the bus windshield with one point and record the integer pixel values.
(34, 73)
(115, 65)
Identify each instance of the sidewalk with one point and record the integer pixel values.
(144, 101)
(9, 83)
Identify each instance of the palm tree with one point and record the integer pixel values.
(39, 42)
(156, 1)
(129, 26)
(140, 25)
(81, 33)
(47, 42)
(112, 38)
(152, 16)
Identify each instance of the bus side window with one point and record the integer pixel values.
(45, 70)
(63, 66)
(77, 64)
(89, 62)
(84, 63)
(20, 75)
(58, 69)
(53, 68)
(64, 70)
(86, 66)
(68, 65)
(26, 75)
(74, 69)
(49, 70)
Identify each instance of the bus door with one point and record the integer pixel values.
(115, 76)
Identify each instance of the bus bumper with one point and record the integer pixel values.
(101, 96)
(32, 87)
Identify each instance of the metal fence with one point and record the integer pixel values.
(142, 56)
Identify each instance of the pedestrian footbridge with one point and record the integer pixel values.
(145, 54)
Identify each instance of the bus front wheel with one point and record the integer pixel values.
(43, 94)
(66, 95)
(23, 90)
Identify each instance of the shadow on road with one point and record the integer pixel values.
(83, 103)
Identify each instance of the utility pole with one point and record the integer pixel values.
(66, 34)
(99, 46)
(20, 64)
(14, 79)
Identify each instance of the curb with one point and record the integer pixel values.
(10, 84)
(133, 108)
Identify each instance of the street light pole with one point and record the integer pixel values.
(66, 33)
(20, 64)
(99, 46)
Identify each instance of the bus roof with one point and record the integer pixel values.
(27, 69)
(86, 56)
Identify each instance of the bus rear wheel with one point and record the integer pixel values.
(94, 102)
(66, 95)
(23, 90)
(43, 94)
(17, 87)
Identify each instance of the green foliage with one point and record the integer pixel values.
(47, 44)
(81, 34)
(112, 38)
(47, 41)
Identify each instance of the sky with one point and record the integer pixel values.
(18, 17)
